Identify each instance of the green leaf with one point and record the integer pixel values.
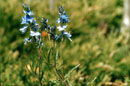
(49, 54)
(35, 71)
(42, 74)
(68, 74)
(89, 83)
(69, 82)
(56, 55)
(32, 63)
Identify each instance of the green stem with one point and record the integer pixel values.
(61, 77)
(40, 80)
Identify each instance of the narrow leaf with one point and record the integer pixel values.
(56, 55)
(68, 74)
(69, 82)
(49, 54)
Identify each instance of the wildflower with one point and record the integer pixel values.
(50, 30)
(28, 12)
(61, 9)
(62, 28)
(32, 33)
(34, 25)
(35, 33)
(29, 22)
(26, 40)
(24, 20)
(53, 29)
(23, 29)
(68, 35)
(56, 37)
(27, 19)
(62, 20)
(44, 22)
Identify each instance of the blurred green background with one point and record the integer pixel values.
(97, 45)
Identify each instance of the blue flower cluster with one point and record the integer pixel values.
(28, 22)
(50, 30)
(63, 20)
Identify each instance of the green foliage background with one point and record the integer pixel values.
(97, 45)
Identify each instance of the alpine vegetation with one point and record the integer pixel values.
(47, 59)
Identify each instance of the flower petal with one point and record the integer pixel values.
(32, 33)
(23, 29)
(62, 28)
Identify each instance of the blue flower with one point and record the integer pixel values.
(26, 40)
(61, 9)
(63, 18)
(34, 22)
(36, 34)
(26, 19)
(58, 21)
(28, 12)
(62, 28)
(34, 25)
(56, 37)
(45, 25)
(29, 22)
(28, 15)
(23, 29)
(68, 35)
